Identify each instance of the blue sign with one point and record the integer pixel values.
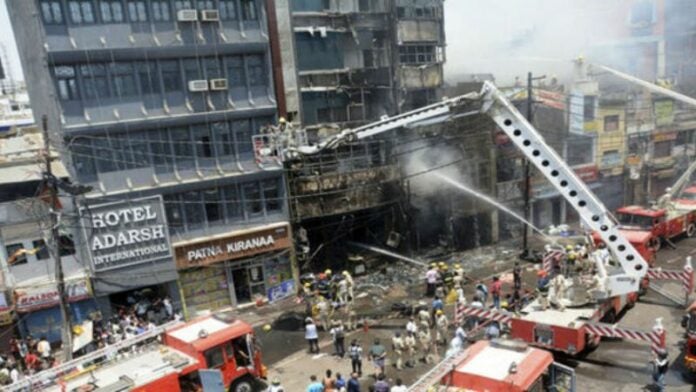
(281, 291)
(211, 380)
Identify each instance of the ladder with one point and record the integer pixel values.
(440, 370)
(51, 376)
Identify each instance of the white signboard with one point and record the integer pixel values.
(126, 233)
(46, 296)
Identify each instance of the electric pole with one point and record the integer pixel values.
(55, 245)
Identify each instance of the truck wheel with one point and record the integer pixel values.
(656, 244)
(243, 385)
(691, 230)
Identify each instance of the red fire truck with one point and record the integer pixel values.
(690, 344)
(687, 199)
(498, 365)
(660, 223)
(172, 358)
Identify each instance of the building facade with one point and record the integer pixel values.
(154, 104)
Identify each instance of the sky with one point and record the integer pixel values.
(504, 37)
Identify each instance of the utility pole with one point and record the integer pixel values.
(55, 244)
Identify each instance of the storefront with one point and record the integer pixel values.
(38, 311)
(130, 253)
(236, 268)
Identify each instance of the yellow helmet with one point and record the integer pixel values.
(346, 273)
(328, 272)
(444, 267)
(282, 120)
(308, 285)
(569, 247)
(267, 328)
(504, 304)
(571, 256)
(457, 265)
(439, 312)
(433, 265)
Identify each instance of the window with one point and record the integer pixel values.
(175, 213)
(52, 12)
(271, 195)
(192, 70)
(160, 11)
(211, 67)
(249, 10)
(213, 208)
(257, 73)
(589, 108)
(83, 159)
(242, 132)
(252, 198)
(66, 82)
(81, 11)
(611, 123)
(148, 78)
(201, 137)
(183, 148)
(161, 151)
(400, 12)
(579, 150)
(235, 71)
(224, 139)
(103, 153)
(111, 11)
(233, 204)
(12, 249)
(123, 79)
(417, 54)
(642, 13)
(662, 149)
(171, 76)
(137, 11)
(214, 358)
(193, 207)
(140, 149)
(94, 81)
(67, 246)
(205, 5)
(228, 10)
(182, 5)
(42, 249)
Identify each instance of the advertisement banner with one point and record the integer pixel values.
(284, 290)
(126, 233)
(28, 299)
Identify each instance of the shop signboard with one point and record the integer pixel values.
(28, 299)
(283, 290)
(236, 245)
(126, 233)
(664, 112)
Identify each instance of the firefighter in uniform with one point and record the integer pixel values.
(426, 344)
(543, 289)
(441, 324)
(410, 343)
(399, 347)
(324, 308)
(349, 285)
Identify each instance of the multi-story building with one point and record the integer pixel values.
(153, 103)
(356, 62)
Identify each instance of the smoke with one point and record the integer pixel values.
(510, 37)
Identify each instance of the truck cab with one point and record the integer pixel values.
(219, 342)
(506, 365)
(637, 218)
(687, 199)
(645, 243)
(690, 344)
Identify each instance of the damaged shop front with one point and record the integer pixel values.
(130, 253)
(237, 268)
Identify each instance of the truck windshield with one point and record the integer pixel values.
(635, 220)
(688, 196)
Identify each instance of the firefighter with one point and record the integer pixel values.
(447, 279)
(425, 341)
(424, 318)
(349, 284)
(324, 308)
(559, 286)
(322, 285)
(399, 347)
(543, 289)
(342, 291)
(410, 343)
(275, 386)
(441, 323)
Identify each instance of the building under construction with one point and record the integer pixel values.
(356, 62)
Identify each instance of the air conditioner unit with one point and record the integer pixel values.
(210, 15)
(218, 84)
(187, 16)
(198, 85)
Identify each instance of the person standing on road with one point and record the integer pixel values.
(517, 276)
(275, 386)
(398, 346)
(495, 290)
(314, 385)
(353, 383)
(660, 367)
(441, 325)
(378, 355)
(410, 343)
(355, 352)
(431, 277)
(381, 385)
(339, 336)
(311, 335)
(436, 305)
(399, 386)
(482, 292)
(340, 383)
(411, 326)
(329, 382)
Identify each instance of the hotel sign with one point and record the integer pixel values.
(234, 246)
(126, 233)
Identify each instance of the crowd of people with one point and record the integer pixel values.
(28, 355)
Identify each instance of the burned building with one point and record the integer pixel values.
(358, 61)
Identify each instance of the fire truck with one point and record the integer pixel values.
(498, 365)
(173, 358)
(690, 343)
(687, 199)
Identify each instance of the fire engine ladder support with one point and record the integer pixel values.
(656, 337)
(685, 277)
(50, 376)
(574, 190)
(683, 180)
(436, 374)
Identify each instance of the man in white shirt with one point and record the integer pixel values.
(44, 348)
(411, 326)
(398, 386)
